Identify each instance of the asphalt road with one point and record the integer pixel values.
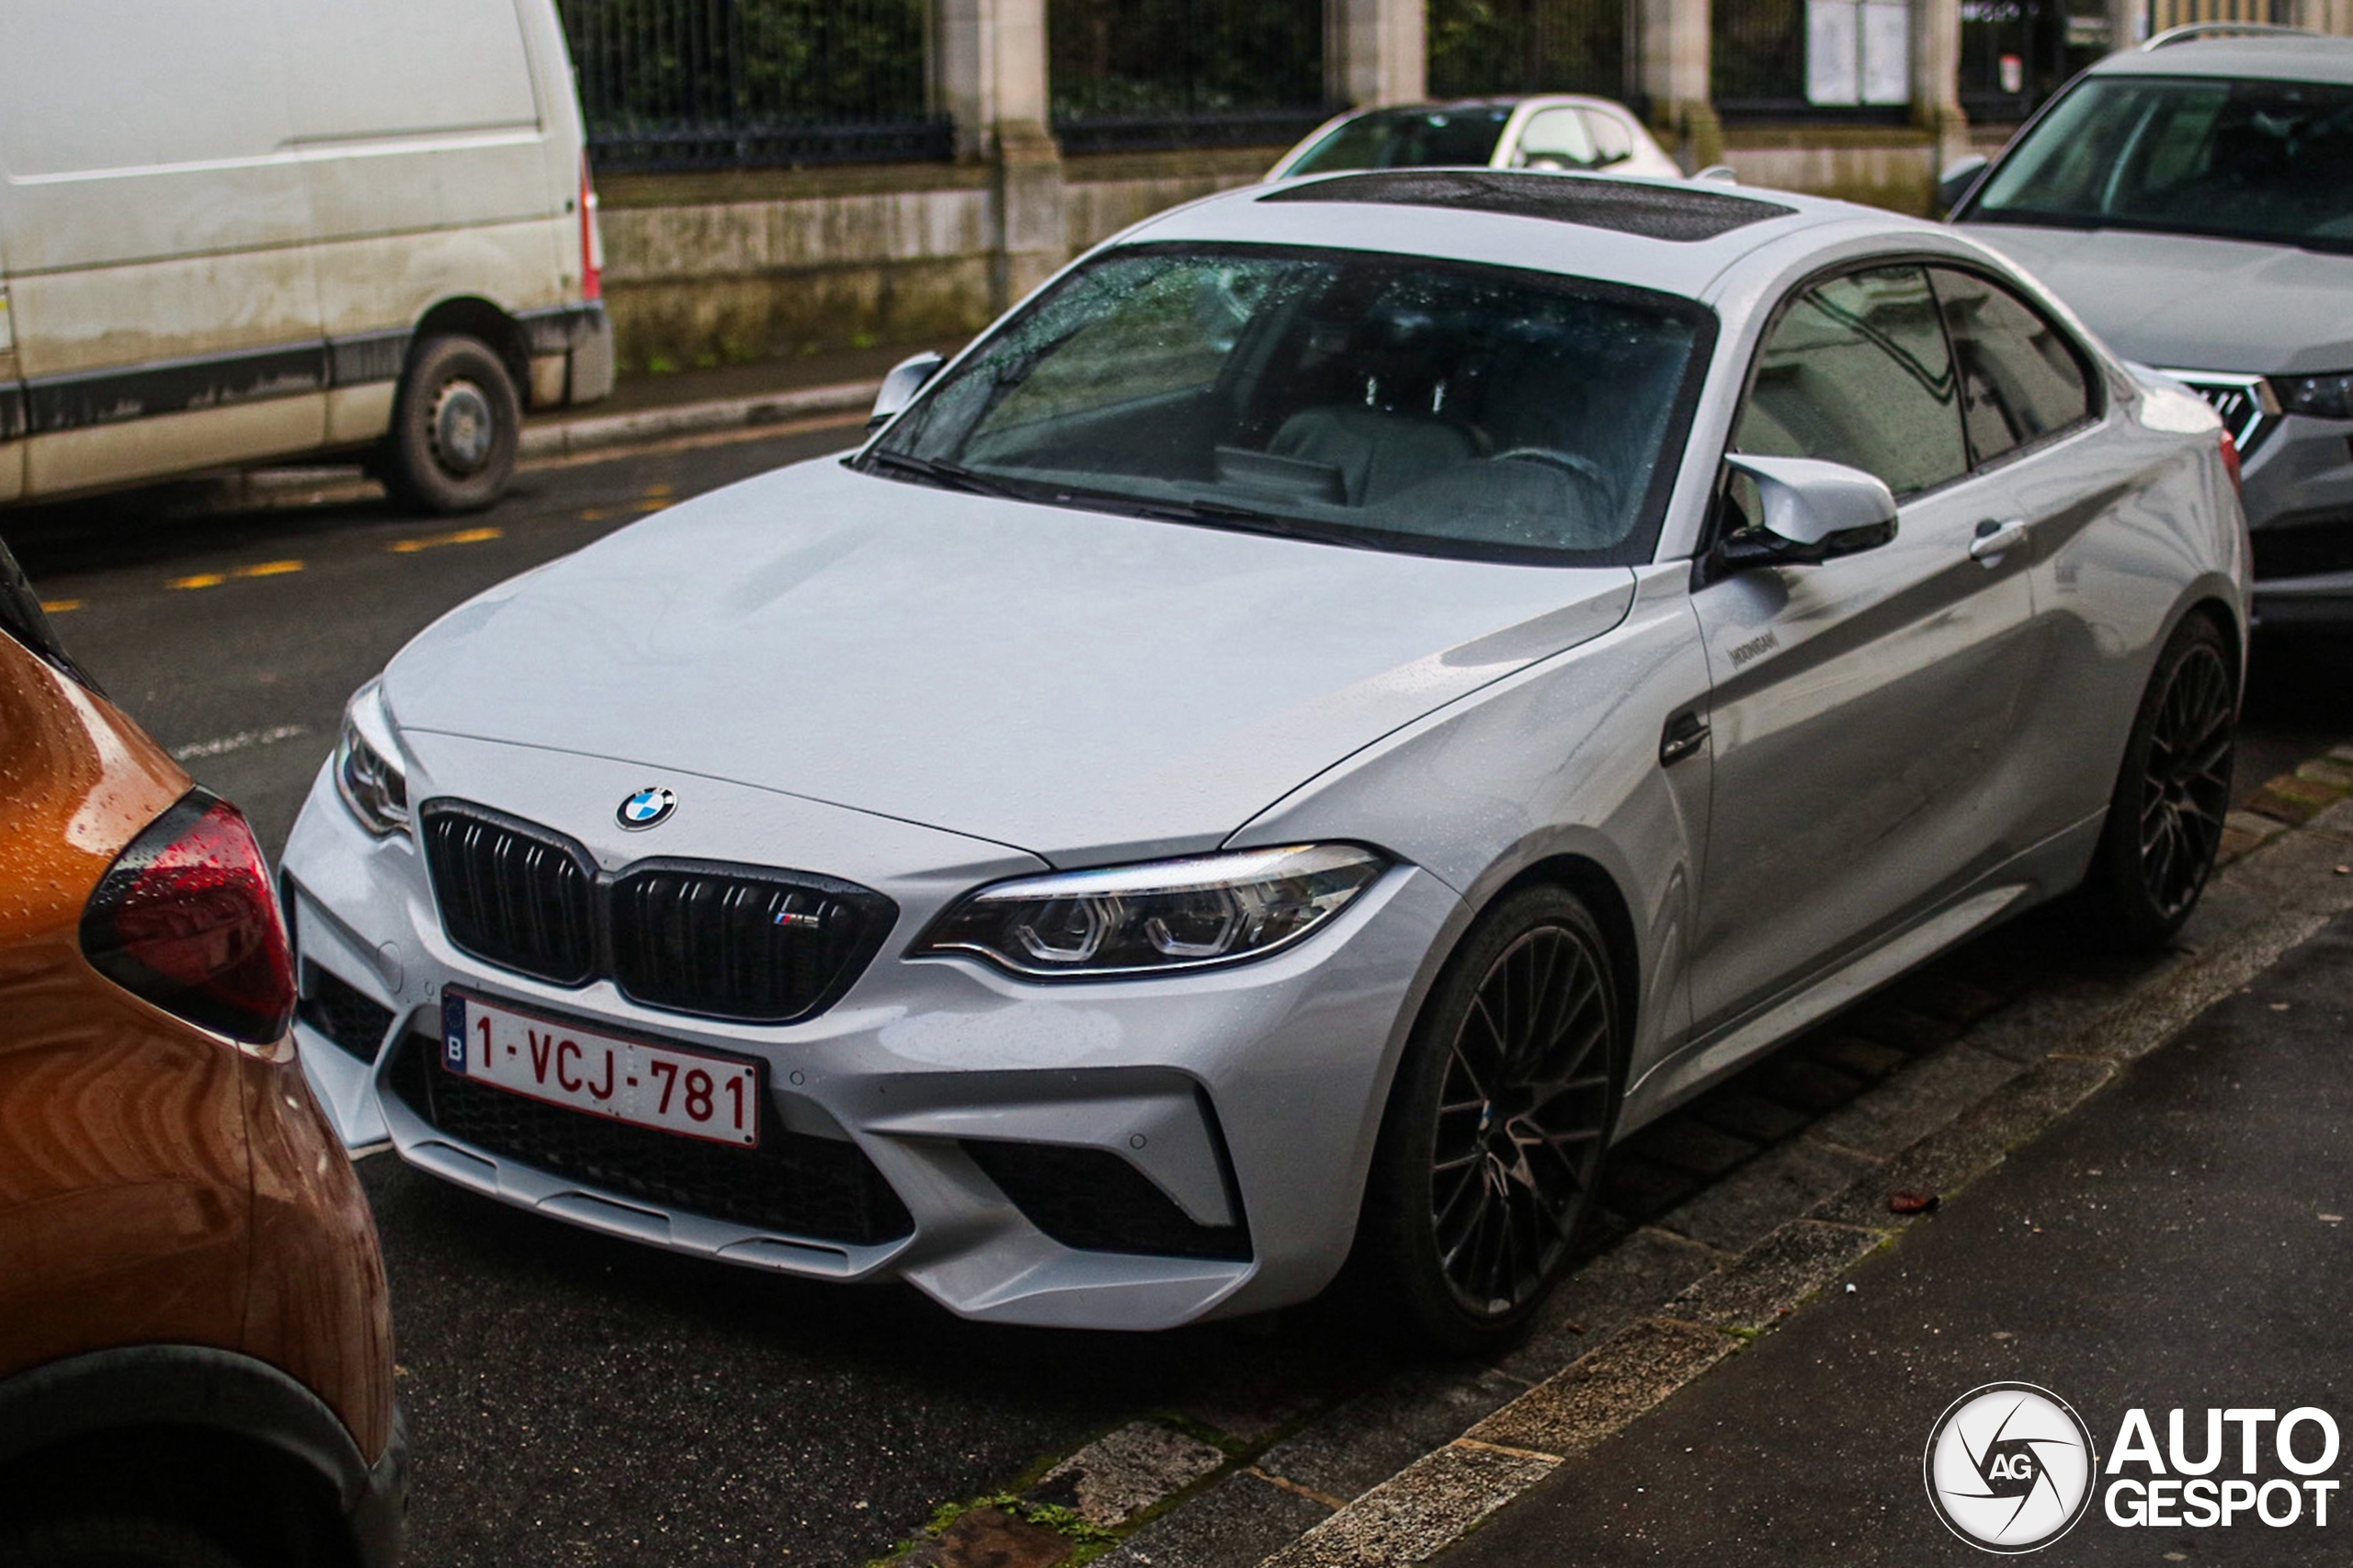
(578, 1399)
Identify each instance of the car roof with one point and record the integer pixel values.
(1492, 100)
(1672, 235)
(2284, 58)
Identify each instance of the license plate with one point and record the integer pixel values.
(637, 1081)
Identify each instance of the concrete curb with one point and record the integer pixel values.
(597, 432)
(2269, 901)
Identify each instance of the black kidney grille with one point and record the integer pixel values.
(513, 895)
(794, 1184)
(717, 941)
(737, 942)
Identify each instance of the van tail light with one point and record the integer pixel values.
(2231, 461)
(592, 244)
(186, 918)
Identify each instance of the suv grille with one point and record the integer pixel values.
(2246, 404)
(737, 942)
(793, 1182)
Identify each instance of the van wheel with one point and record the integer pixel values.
(455, 426)
(1491, 1150)
(2164, 821)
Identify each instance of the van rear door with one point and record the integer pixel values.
(157, 222)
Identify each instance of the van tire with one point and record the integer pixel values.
(456, 424)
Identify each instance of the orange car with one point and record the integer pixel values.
(195, 1349)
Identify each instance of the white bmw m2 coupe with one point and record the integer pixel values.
(1358, 694)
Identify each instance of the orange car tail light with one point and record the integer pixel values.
(186, 918)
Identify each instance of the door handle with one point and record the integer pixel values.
(1685, 734)
(1995, 540)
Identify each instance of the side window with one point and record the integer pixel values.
(2020, 379)
(1555, 138)
(1855, 372)
(1612, 143)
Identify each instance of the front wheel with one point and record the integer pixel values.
(1492, 1145)
(2164, 820)
(456, 424)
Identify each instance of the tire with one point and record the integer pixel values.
(101, 1540)
(2164, 819)
(1489, 1158)
(456, 423)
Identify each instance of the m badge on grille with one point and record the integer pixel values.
(650, 807)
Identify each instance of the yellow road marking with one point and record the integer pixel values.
(652, 490)
(435, 541)
(652, 506)
(267, 568)
(201, 580)
(595, 513)
(59, 606)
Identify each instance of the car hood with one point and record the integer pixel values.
(1083, 685)
(2183, 302)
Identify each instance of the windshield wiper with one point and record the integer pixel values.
(1242, 519)
(934, 471)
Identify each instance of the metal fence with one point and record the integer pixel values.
(1480, 47)
(1131, 75)
(1757, 55)
(669, 85)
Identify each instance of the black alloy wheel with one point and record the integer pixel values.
(2164, 821)
(1493, 1146)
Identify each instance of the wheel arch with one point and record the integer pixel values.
(215, 1439)
(469, 315)
(1592, 883)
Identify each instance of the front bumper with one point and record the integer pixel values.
(2298, 494)
(1248, 1097)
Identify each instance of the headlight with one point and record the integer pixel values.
(365, 775)
(1169, 914)
(2325, 397)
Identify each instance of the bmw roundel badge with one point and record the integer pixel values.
(650, 807)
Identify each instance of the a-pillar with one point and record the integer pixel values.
(990, 58)
(1376, 52)
(1675, 67)
(1936, 78)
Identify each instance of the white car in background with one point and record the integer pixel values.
(1552, 130)
(1358, 694)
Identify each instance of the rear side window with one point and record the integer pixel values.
(1856, 372)
(2020, 379)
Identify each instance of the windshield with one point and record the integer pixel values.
(2250, 160)
(1390, 402)
(1409, 138)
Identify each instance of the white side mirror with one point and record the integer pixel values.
(899, 388)
(1814, 510)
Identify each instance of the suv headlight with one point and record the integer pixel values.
(366, 773)
(1167, 915)
(2324, 397)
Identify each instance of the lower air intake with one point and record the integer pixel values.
(1094, 1202)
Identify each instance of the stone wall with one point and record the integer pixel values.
(707, 269)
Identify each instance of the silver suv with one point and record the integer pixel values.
(2192, 200)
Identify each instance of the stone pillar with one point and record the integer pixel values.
(1675, 71)
(992, 63)
(2128, 24)
(1376, 52)
(1936, 78)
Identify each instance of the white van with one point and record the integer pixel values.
(240, 229)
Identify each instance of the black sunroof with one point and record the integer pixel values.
(1653, 211)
